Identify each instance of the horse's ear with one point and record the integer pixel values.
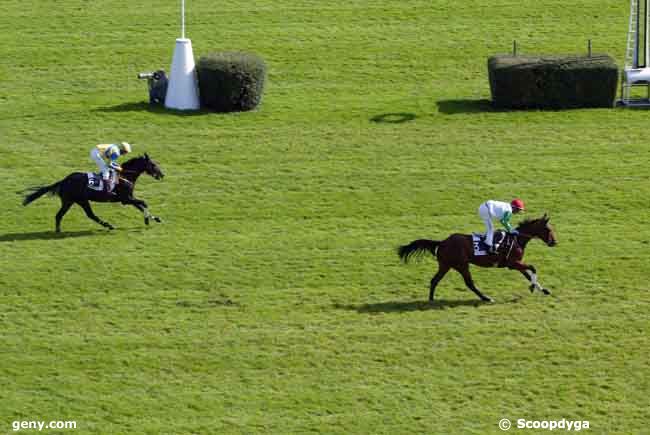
(546, 217)
(146, 156)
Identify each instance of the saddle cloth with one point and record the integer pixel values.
(478, 241)
(95, 182)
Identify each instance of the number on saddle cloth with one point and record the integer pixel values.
(95, 182)
(480, 248)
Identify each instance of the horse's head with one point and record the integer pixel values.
(138, 165)
(539, 228)
(153, 168)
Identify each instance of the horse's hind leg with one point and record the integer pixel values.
(442, 270)
(89, 212)
(65, 206)
(469, 282)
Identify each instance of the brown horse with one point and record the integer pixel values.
(457, 252)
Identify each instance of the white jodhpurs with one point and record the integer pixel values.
(487, 220)
(108, 175)
(101, 164)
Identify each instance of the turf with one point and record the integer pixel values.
(271, 299)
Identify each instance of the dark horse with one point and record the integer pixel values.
(457, 252)
(74, 189)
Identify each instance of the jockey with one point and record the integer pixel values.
(503, 212)
(105, 156)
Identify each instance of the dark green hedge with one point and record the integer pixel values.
(231, 81)
(552, 82)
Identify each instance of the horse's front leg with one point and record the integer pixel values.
(142, 206)
(530, 273)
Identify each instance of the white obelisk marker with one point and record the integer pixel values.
(182, 92)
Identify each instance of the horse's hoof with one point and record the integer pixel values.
(157, 219)
(532, 288)
(546, 292)
(146, 221)
(488, 299)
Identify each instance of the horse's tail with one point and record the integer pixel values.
(37, 192)
(417, 248)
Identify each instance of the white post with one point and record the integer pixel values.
(182, 91)
(646, 46)
(183, 19)
(635, 62)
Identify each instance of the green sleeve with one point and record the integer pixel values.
(505, 221)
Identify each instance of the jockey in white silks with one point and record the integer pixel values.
(498, 210)
(105, 156)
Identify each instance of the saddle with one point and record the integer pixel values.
(480, 248)
(95, 182)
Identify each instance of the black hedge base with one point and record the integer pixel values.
(552, 82)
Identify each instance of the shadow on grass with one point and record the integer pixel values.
(45, 235)
(393, 118)
(146, 107)
(401, 307)
(52, 235)
(404, 307)
(453, 107)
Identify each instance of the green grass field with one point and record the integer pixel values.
(271, 299)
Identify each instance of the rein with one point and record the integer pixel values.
(124, 180)
(512, 244)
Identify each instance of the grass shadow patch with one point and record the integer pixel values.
(46, 235)
(209, 303)
(143, 106)
(394, 118)
(405, 307)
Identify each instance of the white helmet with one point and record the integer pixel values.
(126, 147)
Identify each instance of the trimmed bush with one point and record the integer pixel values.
(552, 82)
(231, 81)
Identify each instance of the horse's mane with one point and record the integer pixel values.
(133, 161)
(527, 222)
